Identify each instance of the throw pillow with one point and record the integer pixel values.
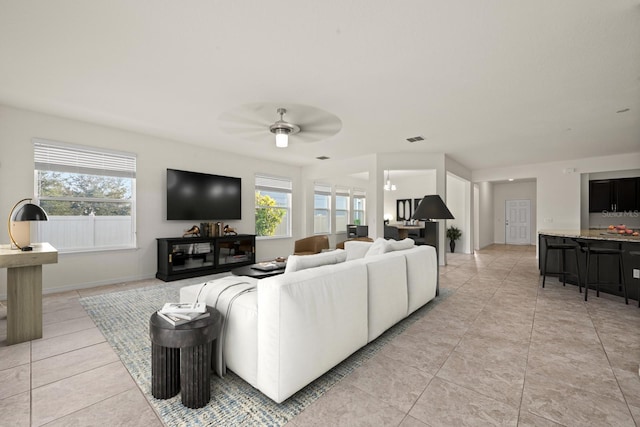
(302, 262)
(356, 249)
(400, 245)
(378, 247)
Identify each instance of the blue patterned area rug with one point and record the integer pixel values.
(123, 318)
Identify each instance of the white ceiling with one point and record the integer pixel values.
(490, 83)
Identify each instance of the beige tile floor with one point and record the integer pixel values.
(499, 351)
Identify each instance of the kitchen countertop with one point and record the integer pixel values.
(596, 234)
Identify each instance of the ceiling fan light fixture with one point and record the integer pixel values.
(282, 138)
(283, 129)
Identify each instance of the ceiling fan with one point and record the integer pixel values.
(258, 122)
(282, 130)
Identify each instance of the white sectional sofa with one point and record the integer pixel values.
(283, 332)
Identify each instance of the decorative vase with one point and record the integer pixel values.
(452, 245)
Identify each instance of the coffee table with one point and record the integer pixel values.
(249, 271)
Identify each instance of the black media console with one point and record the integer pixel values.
(183, 257)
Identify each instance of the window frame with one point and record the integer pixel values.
(359, 194)
(324, 190)
(60, 157)
(274, 188)
(342, 192)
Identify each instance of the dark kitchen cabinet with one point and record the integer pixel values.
(627, 194)
(600, 196)
(614, 195)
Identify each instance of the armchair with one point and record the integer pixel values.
(311, 245)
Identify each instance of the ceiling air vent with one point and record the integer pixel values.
(416, 138)
(322, 158)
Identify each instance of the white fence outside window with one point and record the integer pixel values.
(81, 232)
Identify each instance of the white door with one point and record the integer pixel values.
(518, 219)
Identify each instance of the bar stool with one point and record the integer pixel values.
(564, 247)
(636, 253)
(600, 252)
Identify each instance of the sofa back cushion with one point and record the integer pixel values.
(302, 262)
(387, 291)
(308, 322)
(422, 275)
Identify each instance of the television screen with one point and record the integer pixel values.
(193, 196)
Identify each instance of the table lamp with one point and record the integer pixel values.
(26, 212)
(431, 207)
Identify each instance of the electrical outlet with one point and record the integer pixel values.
(636, 273)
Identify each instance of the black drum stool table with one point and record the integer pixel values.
(181, 358)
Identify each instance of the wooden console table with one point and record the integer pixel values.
(24, 289)
(403, 230)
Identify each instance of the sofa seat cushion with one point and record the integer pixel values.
(302, 262)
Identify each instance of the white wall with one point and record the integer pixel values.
(155, 155)
(414, 187)
(558, 185)
(485, 214)
(458, 202)
(512, 191)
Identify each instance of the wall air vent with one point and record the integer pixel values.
(415, 139)
(322, 158)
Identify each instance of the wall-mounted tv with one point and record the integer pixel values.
(194, 196)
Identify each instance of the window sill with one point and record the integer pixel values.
(272, 237)
(95, 250)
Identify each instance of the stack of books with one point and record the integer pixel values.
(177, 313)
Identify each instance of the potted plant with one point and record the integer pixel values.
(453, 234)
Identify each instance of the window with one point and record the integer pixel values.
(359, 211)
(342, 209)
(273, 206)
(321, 209)
(89, 195)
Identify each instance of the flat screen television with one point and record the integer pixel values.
(194, 196)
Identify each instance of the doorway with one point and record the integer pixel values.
(518, 222)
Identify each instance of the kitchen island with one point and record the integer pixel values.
(607, 270)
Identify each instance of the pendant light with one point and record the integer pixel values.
(388, 186)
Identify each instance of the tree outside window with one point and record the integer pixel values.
(268, 215)
(273, 206)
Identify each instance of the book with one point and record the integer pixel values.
(184, 307)
(190, 316)
(268, 266)
(176, 321)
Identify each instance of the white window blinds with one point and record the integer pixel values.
(59, 157)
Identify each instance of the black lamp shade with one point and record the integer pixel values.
(432, 207)
(30, 212)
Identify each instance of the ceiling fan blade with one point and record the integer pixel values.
(252, 121)
(232, 119)
(245, 133)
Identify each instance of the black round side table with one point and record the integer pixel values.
(181, 358)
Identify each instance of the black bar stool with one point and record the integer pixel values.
(597, 251)
(636, 253)
(563, 247)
